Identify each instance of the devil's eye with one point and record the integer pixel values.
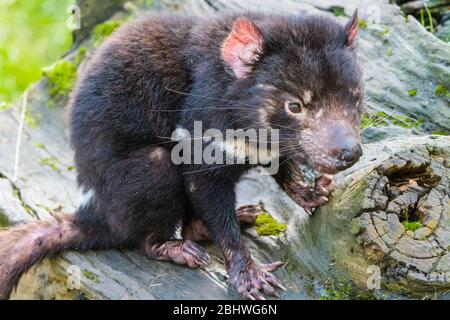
(294, 107)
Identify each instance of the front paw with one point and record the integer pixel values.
(312, 197)
(324, 185)
(252, 280)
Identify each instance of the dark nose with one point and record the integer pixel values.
(350, 154)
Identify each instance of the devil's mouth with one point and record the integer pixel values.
(330, 166)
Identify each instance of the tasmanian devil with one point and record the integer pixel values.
(297, 74)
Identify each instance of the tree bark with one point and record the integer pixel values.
(360, 229)
(364, 223)
(94, 12)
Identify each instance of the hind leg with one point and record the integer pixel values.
(247, 214)
(144, 202)
(195, 230)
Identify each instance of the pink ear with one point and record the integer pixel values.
(242, 47)
(352, 31)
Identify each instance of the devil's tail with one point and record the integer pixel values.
(25, 245)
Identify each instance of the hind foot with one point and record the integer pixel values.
(183, 252)
(253, 280)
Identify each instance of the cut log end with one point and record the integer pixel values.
(404, 224)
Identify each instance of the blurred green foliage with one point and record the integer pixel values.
(33, 34)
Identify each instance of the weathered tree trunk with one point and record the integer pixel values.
(361, 233)
(398, 185)
(363, 226)
(94, 12)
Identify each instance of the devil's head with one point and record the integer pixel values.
(302, 74)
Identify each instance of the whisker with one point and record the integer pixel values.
(279, 125)
(289, 158)
(207, 97)
(196, 109)
(207, 169)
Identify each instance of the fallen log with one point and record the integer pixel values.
(392, 213)
(389, 215)
(337, 243)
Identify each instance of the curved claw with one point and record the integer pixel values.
(271, 267)
(312, 197)
(255, 280)
(325, 185)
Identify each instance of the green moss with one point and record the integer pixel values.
(440, 133)
(39, 145)
(5, 106)
(440, 90)
(338, 11)
(355, 226)
(4, 221)
(362, 24)
(51, 162)
(343, 290)
(398, 285)
(27, 208)
(32, 120)
(385, 32)
(412, 226)
(309, 289)
(61, 79)
(105, 29)
(390, 52)
(290, 265)
(91, 276)
(412, 92)
(266, 225)
(81, 54)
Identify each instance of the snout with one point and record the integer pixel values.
(337, 159)
(346, 156)
(345, 148)
(337, 147)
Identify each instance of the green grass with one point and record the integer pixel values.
(430, 26)
(380, 119)
(33, 34)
